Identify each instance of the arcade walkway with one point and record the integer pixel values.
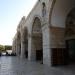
(15, 66)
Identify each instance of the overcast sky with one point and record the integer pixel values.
(11, 12)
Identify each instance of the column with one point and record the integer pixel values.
(22, 49)
(31, 50)
(46, 45)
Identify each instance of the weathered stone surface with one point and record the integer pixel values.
(50, 25)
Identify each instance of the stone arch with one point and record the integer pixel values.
(46, 57)
(57, 19)
(58, 12)
(37, 39)
(70, 34)
(50, 11)
(41, 20)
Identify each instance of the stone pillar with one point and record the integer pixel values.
(31, 52)
(22, 45)
(14, 46)
(46, 45)
(22, 49)
(18, 47)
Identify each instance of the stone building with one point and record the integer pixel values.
(48, 33)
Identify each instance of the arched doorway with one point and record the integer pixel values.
(70, 35)
(26, 42)
(37, 43)
(57, 17)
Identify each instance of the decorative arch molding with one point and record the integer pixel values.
(58, 12)
(50, 10)
(40, 18)
(36, 26)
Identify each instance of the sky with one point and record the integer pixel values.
(11, 12)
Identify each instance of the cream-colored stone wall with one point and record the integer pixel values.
(52, 28)
(57, 37)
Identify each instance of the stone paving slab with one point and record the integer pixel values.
(16, 66)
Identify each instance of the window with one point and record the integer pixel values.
(43, 9)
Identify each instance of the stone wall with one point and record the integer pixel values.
(52, 19)
(57, 37)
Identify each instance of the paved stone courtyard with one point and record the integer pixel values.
(16, 66)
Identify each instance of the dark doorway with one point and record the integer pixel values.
(58, 56)
(39, 55)
(71, 50)
(26, 54)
